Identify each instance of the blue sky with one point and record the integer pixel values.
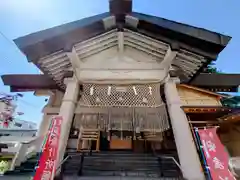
(21, 17)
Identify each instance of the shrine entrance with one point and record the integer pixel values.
(121, 117)
(134, 129)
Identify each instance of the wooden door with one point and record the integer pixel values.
(121, 140)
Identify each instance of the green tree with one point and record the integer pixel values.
(211, 68)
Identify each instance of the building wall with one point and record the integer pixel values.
(2, 106)
(192, 97)
(231, 140)
(16, 123)
(25, 124)
(7, 108)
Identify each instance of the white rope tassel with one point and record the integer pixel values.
(109, 90)
(134, 89)
(150, 90)
(91, 91)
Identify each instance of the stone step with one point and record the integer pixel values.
(123, 155)
(117, 163)
(122, 159)
(116, 178)
(117, 167)
(131, 155)
(142, 169)
(121, 163)
(121, 173)
(113, 166)
(124, 163)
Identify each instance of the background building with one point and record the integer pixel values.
(15, 126)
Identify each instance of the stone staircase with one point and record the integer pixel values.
(120, 164)
(106, 165)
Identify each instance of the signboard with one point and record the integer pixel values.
(47, 163)
(215, 154)
(200, 110)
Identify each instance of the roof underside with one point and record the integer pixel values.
(218, 82)
(28, 82)
(186, 62)
(151, 35)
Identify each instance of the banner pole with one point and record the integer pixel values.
(42, 147)
(202, 153)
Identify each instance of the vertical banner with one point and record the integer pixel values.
(215, 154)
(47, 163)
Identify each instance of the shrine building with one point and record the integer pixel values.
(129, 83)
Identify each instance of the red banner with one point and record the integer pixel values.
(216, 156)
(47, 163)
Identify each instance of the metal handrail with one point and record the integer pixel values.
(174, 160)
(65, 159)
(62, 162)
(168, 157)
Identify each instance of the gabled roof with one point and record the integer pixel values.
(196, 47)
(202, 91)
(42, 43)
(45, 42)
